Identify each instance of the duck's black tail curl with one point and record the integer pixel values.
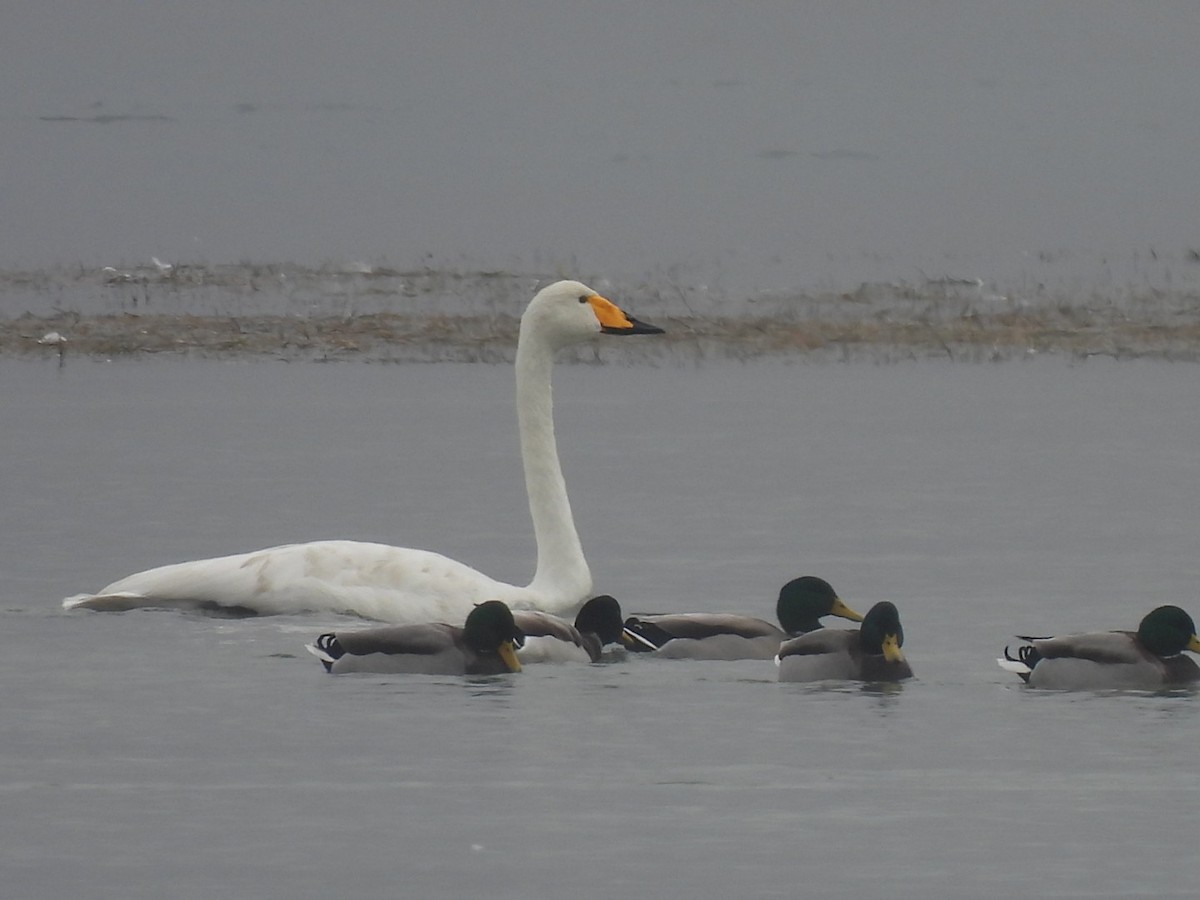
(1027, 655)
(327, 649)
(643, 637)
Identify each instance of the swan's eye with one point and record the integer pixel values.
(583, 298)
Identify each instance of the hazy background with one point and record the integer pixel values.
(756, 147)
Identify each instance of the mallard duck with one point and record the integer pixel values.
(870, 654)
(401, 584)
(482, 646)
(1146, 659)
(552, 639)
(802, 603)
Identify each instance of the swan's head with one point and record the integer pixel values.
(567, 312)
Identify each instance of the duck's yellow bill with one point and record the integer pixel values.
(841, 609)
(1193, 644)
(891, 649)
(509, 656)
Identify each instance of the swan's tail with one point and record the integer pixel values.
(123, 601)
(118, 602)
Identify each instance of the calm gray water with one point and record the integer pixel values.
(799, 146)
(153, 754)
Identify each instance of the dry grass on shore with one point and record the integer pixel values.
(400, 338)
(437, 316)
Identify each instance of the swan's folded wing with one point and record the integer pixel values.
(1097, 646)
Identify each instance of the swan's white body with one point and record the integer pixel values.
(376, 581)
(399, 584)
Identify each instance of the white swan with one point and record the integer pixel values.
(395, 584)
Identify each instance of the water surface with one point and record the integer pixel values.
(154, 754)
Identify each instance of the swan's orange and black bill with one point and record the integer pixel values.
(614, 321)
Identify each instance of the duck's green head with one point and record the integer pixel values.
(882, 632)
(490, 630)
(602, 617)
(1168, 631)
(804, 600)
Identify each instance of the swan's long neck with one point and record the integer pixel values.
(562, 575)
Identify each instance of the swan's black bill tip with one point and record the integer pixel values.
(636, 327)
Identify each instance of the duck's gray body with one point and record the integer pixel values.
(801, 605)
(482, 646)
(711, 635)
(870, 653)
(549, 638)
(1106, 660)
(429, 649)
(836, 655)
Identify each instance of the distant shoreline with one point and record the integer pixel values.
(384, 315)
